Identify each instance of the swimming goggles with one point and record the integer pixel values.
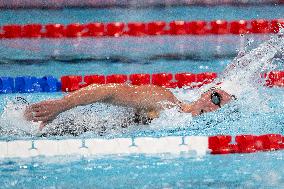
(216, 98)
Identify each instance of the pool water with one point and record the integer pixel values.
(58, 69)
(66, 16)
(261, 170)
(244, 116)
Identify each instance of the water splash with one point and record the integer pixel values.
(245, 70)
(254, 111)
(97, 119)
(12, 120)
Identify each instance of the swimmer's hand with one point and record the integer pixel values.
(44, 111)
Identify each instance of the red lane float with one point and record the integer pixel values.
(54, 31)
(140, 79)
(276, 25)
(31, 30)
(163, 79)
(116, 78)
(94, 30)
(94, 79)
(179, 28)
(70, 83)
(269, 142)
(185, 79)
(136, 29)
(221, 144)
(194, 80)
(12, 31)
(156, 28)
(74, 30)
(168, 80)
(274, 78)
(260, 26)
(115, 29)
(198, 27)
(219, 27)
(238, 27)
(139, 29)
(246, 143)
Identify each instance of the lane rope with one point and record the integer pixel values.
(199, 145)
(142, 29)
(168, 80)
(68, 83)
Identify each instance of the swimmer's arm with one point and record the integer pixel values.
(120, 94)
(91, 94)
(107, 93)
(46, 111)
(147, 98)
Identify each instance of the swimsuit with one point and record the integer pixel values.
(142, 119)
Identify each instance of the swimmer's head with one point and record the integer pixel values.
(210, 101)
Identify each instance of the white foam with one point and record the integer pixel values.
(171, 118)
(13, 121)
(243, 74)
(248, 68)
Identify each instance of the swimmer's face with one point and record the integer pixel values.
(206, 104)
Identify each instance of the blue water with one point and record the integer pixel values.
(66, 16)
(229, 171)
(58, 69)
(258, 170)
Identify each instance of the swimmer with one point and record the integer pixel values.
(146, 100)
(149, 100)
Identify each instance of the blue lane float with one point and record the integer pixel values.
(7, 85)
(50, 84)
(29, 84)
